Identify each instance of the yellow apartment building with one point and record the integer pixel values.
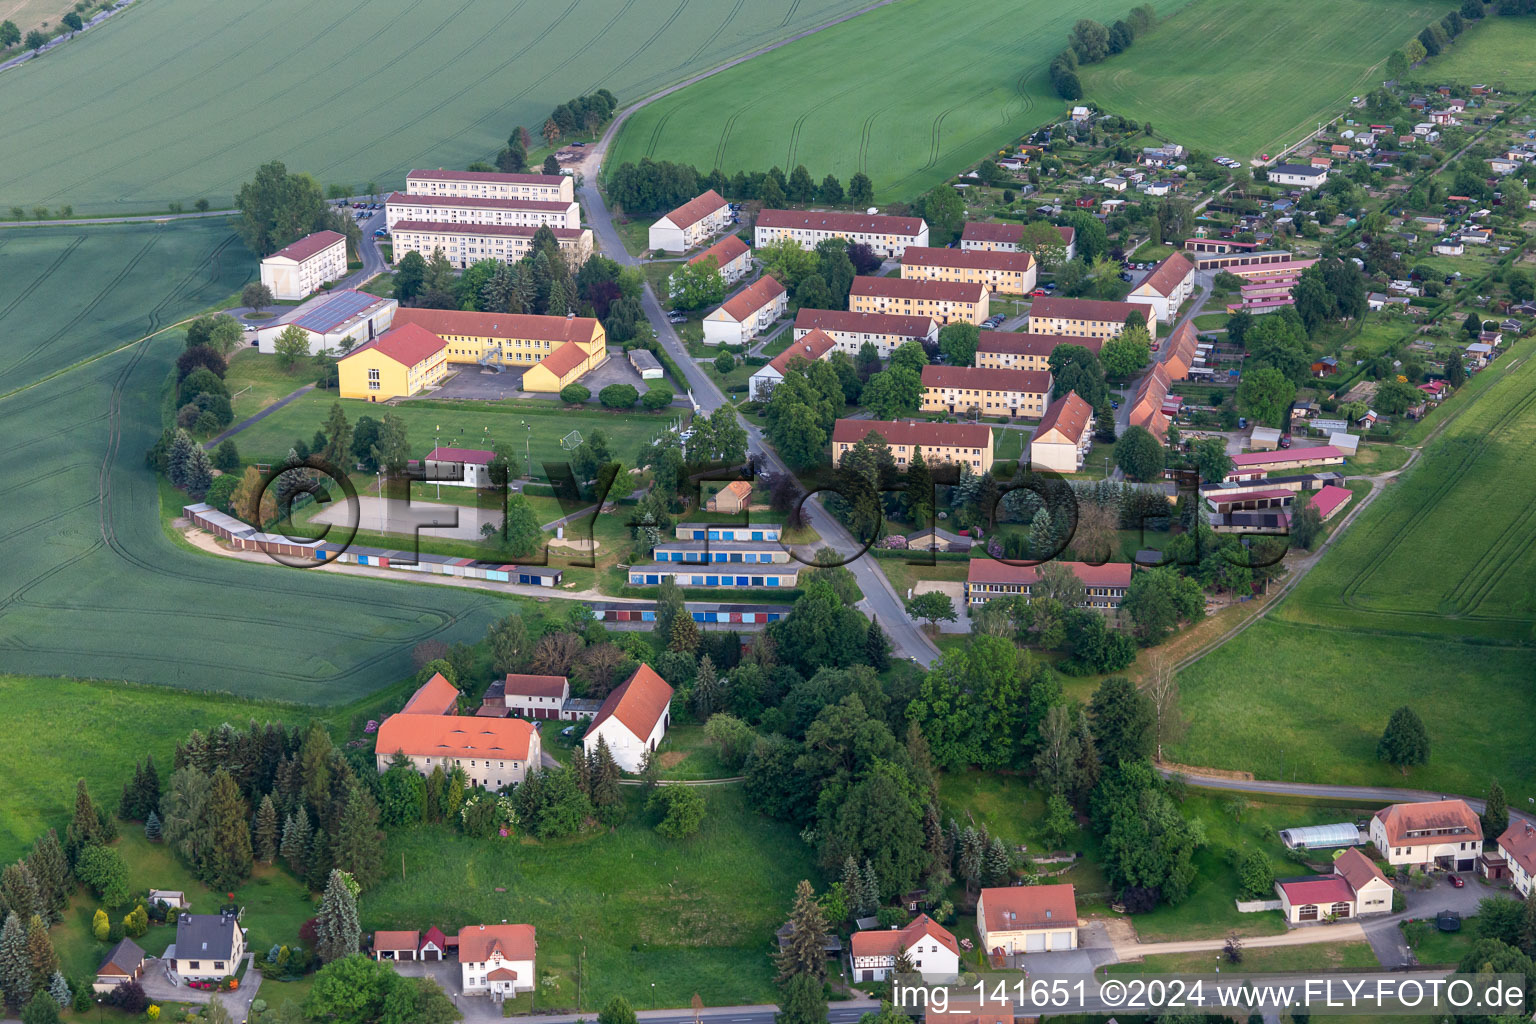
(999, 271)
(944, 301)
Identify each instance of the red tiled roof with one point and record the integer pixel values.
(1400, 819)
(1357, 869)
(695, 210)
(470, 456)
(898, 324)
(724, 251)
(455, 736)
(1179, 352)
(1050, 307)
(638, 703)
(396, 940)
(489, 176)
(445, 227)
(970, 1010)
(309, 245)
(564, 359)
(1167, 275)
(969, 259)
(823, 220)
(1069, 414)
(916, 288)
(437, 696)
(1329, 498)
(435, 936)
(990, 570)
(535, 686)
(752, 298)
(1251, 460)
(512, 941)
(1018, 907)
(1518, 842)
(1324, 891)
(481, 202)
(1009, 343)
(1067, 233)
(888, 941)
(406, 345)
(979, 231)
(527, 326)
(813, 346)
(1034, 382)
(910, 432)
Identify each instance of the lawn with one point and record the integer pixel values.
(695, 915)
(256, 381)
(1211, 321)
(1496, 51)
(1316, 956)
(1446, 948)
(1266, 73)
(686, 754)
(182, 100)
(836, 102)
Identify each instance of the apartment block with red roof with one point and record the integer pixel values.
(887, 236)
(632, 720)
(464, 243)
(1065, 434)
(985, 392)
(814, 346)
(746, 313)
(556, 213)
(957, 443)
(1167, 287)
(690, 224)
(1089, 318)
(945, 301)
(490, 185)
(1444, 834)
(296, 271)
(731, 255)
(885, 331)
(1013, 351)
(931, 948)
(497, 959)
(1104, 586)
(1000, 270)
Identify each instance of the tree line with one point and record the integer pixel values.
(652, 186)
(1090, 42)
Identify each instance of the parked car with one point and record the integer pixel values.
(1456, 881)
(578, 143)
(1037, 293)
(1285, 442)
(1049, 286)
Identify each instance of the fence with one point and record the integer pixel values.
(1256, 906)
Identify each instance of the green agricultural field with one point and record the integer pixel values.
(1237, 78)
(968, 79)
(1496, 52)
(93, 585)
(695, 915)
(183, 99)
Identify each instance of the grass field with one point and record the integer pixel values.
(967, 79)
(182, 99)
(695, 915)
(30, 14)
(1266, 73)
(93, 586)
(1496, 51)
(1317, 956)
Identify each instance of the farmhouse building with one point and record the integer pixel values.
(731, 255)
(692, 223)
(533, 697)
(1104, 585)
(944, 301)
(1004, 350)
(1517, 845)
(555, 350)
(957, 443)
(1064, 435)
(494, 753)
(295, 271)
(208, 947)
(1168, 286)
(746, 313)
(396, 365)
(1443, 834)
(336, 321)
(463, 244)
(815, 345)
(437, 696)
(887, 236)
(1000, 271)
(1298, 175)
(1027, 919)
(491, 185)
(556, 213)
(930, 948)
(885, 331)
(633, 719)
(974, 390)
(497, 959)
(123, 963)
(1091, 318)
(1356, 887)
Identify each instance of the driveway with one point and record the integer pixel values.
(159, 987)
(406, 518)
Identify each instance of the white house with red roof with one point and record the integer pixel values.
(1355, 888)
(497, 959)
(1104, 586)
(1167, 287)
(814, 346)
(691, 223)
(1517, 850)
(298, 270)
(459, 467)
(731, 255)
(633, 719)
(1027, 919)
(746, 313)
(932, 950)
(1443, 834)
(494, 752)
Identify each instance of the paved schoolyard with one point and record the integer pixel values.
(405, 518)
(469, 381)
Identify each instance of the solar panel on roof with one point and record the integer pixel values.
(335, 311)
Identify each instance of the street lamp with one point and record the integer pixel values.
(437, 440)
(527, 442)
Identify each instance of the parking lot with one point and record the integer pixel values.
(469, 381)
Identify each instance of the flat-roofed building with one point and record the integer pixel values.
(1089, 318)
(746, 313)
(732, 552)
(1104, 585)
(297, 270)
(515, 340)
(394, 365)
(887, 236)
(685, 575)
(464, 244)
(975, 390)
(557, 213)
(1009, 351)
(1064, 435)
(690, 224)
(885, 331)
(336, 321)
(1000, 271)
(731, 255)
(727, 531)
(944, 301)
(956, 443)
(490, 185)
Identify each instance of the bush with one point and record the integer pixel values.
(574, 394)
(129, 997)
(658, 397)
(618, 396)
(725, 363)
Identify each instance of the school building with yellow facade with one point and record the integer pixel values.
(393, 365)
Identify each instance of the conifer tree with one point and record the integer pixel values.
(803, 952)
(337, 931)
(877, 649)
(1495, 813)
(41, 959)
(266, 838)
(853, 886)
(685, 635)
(58, 988)
(50, 869)
(606, 795)
(152, 828)
(128, 806)
(997, 865)
(15, 968)
(357, 848)
(706, 689)
(20, 892)
(149, 788)
(229, 857)
(871, 888)
(295, 843)
(972, 857)
(84, 827)
(317, 859)
(584, 766)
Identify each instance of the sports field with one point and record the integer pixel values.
(909, 94)
(1494, 51)
(93, 586)
(1238, 78)
(181, 99)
